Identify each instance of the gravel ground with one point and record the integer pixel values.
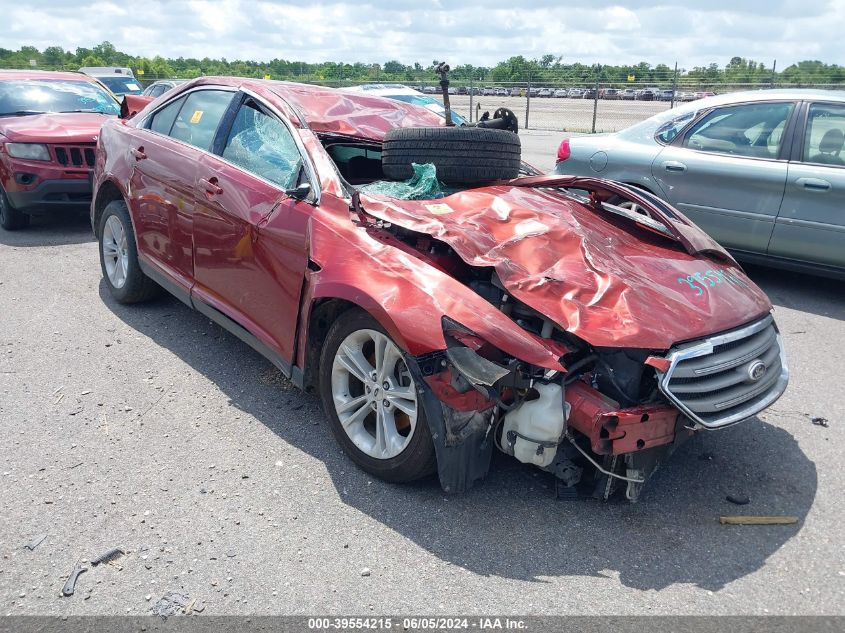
(151, 429)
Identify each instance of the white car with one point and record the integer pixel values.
(399, 92)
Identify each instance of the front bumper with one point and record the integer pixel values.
(64, 193)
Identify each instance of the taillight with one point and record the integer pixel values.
(563, 151)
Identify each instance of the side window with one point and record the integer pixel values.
(262, 145)
(825, 135)
(197, 121)
(754, 130)
(669, 130)
(163, 120)
(157, 91)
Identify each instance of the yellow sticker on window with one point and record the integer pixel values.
(197, 116)
(439, 209)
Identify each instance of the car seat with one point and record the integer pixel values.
(830, 147)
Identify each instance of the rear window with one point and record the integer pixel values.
(121, 85)
(31, 96)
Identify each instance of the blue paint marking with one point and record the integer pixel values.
(702, 282)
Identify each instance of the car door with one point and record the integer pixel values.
(811, 224)
(728, 172)
(250, 246)
(166, 151)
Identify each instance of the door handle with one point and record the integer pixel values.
(813, 184)
(673, 165)
(139, 153)
(210, 185)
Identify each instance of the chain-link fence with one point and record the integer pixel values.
(558, 101)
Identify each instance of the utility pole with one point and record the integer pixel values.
(774, 71)
(596, 98)
(528, 99)
(471, 90)
(674, 86)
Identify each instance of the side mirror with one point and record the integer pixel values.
(301, 192)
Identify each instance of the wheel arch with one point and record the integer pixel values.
(107, 192)
(322, 313)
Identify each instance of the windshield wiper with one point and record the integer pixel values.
(22, 112)
(88, 111)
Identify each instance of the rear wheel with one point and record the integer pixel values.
(10, 218)
(119, 257)
(371, 400)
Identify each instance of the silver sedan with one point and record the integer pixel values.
(763, 172)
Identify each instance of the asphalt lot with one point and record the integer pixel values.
(151, 429)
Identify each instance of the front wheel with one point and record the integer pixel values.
(371, 400)
(119, 257)
(10, 218)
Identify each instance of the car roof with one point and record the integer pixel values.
(332, 111)
(384, 89)
(768, 94)
(12, 74)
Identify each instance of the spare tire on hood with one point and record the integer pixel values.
(462, 155)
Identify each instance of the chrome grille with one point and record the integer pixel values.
(728, 377)
(81, 156)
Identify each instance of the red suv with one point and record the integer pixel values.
(442, 297)
(49, 122)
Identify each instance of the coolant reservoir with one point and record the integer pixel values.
(532, 431)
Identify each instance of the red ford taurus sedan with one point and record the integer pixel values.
(475, 305)
(49, 123)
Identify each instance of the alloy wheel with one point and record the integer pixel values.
(115, 251)
(374, 394)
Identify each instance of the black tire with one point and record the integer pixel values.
(418, 458)
(10, 218)
(137, 287)
(462, 155)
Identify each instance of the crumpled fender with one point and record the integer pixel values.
(407, 295)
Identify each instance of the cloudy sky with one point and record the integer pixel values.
(460, 31)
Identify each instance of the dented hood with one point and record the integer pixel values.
(70, 127)
(603, 278)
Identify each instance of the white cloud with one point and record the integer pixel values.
(481, 33)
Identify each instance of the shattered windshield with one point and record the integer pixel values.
(31, 96)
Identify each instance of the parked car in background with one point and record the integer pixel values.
(430, 90)
(609, 93)
(516, 91)
(703, 95)
(575, 93)
(648, 94)
(667, 95)
(121, 81)
(489, 91)
(49, 122)
(438, 325)
(628, 94)
(399, 92)
(561, 93)
(502, 92)
(762, 172)
(589, 93)
(544, 92)
(158, 88)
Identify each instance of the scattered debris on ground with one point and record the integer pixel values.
(172, 603)
(70, 585)
(819, 421)
(108, 557)
(757, 520)
(35, 542)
